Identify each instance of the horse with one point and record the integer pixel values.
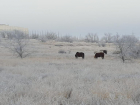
(100, 54)
(79, 54)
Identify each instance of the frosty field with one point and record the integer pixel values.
(47, 77)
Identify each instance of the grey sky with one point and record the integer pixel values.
(73, 17)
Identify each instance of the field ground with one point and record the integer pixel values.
(47, 77)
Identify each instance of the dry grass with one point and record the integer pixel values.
(47, 77)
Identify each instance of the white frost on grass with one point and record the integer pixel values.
(49, 78)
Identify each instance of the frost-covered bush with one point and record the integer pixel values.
(17, 42)
(66, 38)
(126, 45)
(42, 38)
(47, 36)
(135, 51)
(51, 36)
(108, 38)
(34, 36)
(90, 37)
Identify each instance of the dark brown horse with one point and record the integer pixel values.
(101, 54)
(79, 54)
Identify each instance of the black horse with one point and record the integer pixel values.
(79, 54)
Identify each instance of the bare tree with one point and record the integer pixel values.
(17, 43)
(125, 45)
(107, 38)
(90, 37)
(116, 38)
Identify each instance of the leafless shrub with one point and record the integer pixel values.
(10, 34)
(47, 36)
(108, 38)
(51, 36)
(66, 38)
(115, 38)
(135, 51)
(125, 45)
(34, 36)
(42, 38)
(90, 37)
(16, 34)
(17, 42)
(61, 51)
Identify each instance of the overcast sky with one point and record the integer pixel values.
(73, 17)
